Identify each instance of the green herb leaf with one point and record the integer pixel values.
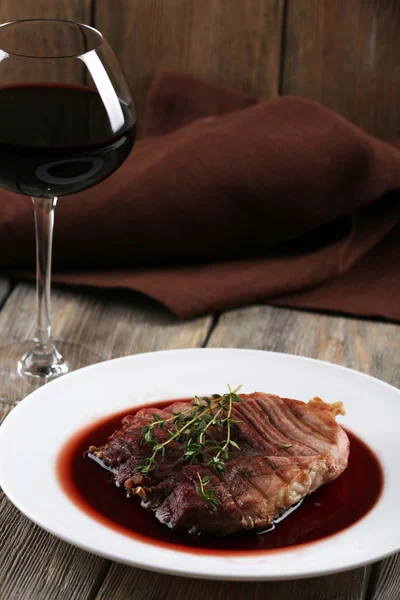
(189, 429)
(209, 444)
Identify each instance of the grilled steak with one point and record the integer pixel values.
(287, 449)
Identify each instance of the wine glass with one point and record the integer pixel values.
(67, 123)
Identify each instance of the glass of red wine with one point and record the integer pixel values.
(67, 123)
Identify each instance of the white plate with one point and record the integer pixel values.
(33, 433)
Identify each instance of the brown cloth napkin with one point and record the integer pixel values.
(231, 200)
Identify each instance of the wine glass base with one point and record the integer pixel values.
(42, 372)
(19, 376)
(48, 366)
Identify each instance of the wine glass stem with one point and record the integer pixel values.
(42, 360)
(44, 223)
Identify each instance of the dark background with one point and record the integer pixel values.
(342, 53)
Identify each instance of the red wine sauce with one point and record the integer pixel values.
(332, 508)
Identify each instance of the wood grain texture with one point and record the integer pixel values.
(20, 70)
(370, 347)
(4, 290)
(36, 565)
(33, 564)
(70, 10)
(346, 55)
(237, 46)
(123, 583)
(386, 582)
(112, 323)
(363, 345)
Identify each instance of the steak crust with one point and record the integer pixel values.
(287, 449)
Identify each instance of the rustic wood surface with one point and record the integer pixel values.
(35, 565)
(239, 47)
(17, 70)
(345, 54)
(342, 54)
(124, 582)
(70, 10)
(385, 584)
(5, 287)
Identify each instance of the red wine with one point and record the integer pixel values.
(331, 509)
(57, 140)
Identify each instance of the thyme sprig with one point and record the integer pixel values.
(206, 495)
(190, 428)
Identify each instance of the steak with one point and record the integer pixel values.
(286, 450)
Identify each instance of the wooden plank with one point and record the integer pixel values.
(111, 322)
(237, 46)
(4, 290)
(70, 10)
(346, 56)
(386, 580)
(366, 346)
(16, 70)
(33, 563)
(123, 582)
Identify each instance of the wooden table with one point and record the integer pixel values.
(34, 565)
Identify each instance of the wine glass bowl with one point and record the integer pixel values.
(68, 122)
(70, 117)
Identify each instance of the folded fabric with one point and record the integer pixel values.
(231, 200)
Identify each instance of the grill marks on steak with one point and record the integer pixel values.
(287, 450)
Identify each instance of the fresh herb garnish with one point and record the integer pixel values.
(189, 428)
(206, 495)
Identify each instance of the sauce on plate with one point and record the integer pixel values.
(331, 509)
